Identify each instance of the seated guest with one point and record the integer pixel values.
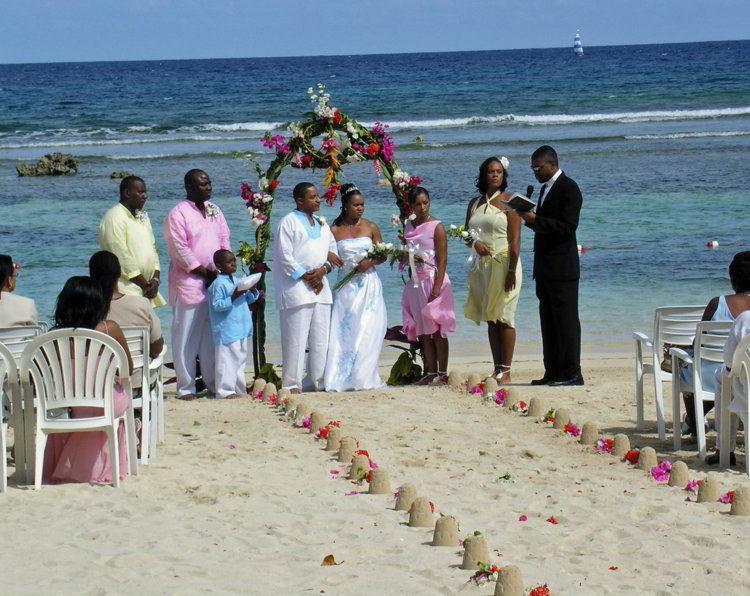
(84, 456)
(126, 310)
(719, 308)
(231, 325)
(14, 310)
(740, 328)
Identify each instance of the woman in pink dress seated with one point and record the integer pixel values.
(84, 456)
(427, 304)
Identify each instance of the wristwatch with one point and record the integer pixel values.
(327, 267)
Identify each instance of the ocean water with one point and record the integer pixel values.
(656, 136)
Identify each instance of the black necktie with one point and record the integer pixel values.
(541, 194)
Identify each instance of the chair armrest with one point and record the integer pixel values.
(159, 360)
(642, 338)
(681, 354)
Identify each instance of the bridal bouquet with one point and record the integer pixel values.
(461, 233)
(379, 250)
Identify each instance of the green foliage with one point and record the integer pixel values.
(268, 374)
(405, 370)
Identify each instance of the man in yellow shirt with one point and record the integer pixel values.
(125, 230)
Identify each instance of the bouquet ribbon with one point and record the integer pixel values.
(413, 255)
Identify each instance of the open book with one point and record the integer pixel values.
(520, 202)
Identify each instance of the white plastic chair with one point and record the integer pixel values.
(708, 347)
(9, 378)
(16, 339)
(739, 375)
(70, 368)
(155, 368)
(672, 325)
(138, 339)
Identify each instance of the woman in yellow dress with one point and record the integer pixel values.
(495, 278)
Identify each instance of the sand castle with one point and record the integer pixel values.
(446, 532)
(709, 489)
(562, 417)
(620, 445)
(420, 513)
(509, 582)
(679, 475)
(380, 482)
(269, 391)
(317, 421)
(258, 386)
(333, 442)
(475, 552)
(647, 459)
(406, 495)
(360, 464)
(590, 434)
(741, 501)
(537, 407)
(346, 449)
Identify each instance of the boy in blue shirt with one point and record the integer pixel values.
(231, 325)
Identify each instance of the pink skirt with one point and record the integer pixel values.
(421, 317)
(84, 456)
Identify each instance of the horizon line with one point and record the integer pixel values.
(366, 54)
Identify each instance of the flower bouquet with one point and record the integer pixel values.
(461, 233)
(379, 250)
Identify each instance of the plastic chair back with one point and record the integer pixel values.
(16, 338)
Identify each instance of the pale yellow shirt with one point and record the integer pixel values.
(132, 240)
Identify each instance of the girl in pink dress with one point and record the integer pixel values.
(427, 304)
(84, 456)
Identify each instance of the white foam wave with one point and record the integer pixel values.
(557, 119)
(239, 126)
(162, 155)
(688, 135)
(139, 141)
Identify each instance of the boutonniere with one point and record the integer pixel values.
(321, 220)
(211, 210)
(141, 215)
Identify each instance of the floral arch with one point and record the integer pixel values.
(345, 141)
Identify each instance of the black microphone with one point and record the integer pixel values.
(529, 190)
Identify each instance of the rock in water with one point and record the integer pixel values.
(52, 164)
(118, 175)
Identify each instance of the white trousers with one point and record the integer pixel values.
(302, 327)
(191, 337)
(230, 368)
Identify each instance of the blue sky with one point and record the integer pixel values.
(80, 30)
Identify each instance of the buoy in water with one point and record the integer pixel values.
(712, 244)
(583, 248)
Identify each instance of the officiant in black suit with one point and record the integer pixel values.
(556, 269)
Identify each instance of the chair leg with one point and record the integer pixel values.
(153, 436)
(114, 454)
(39, 445)
(658, 392)
(700, 424)
(4, 463)
(160, 401)
(639, 392)
(131, 439)
(676, 430)
(724, 416)
(145, 421)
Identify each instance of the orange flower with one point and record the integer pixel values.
(540, 591)
(323, 432)
(372, 149)
(273, 185)
(363, 452)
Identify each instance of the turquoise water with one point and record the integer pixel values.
(656, 137)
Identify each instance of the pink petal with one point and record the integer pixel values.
(354, 492)
(523, 518)
(232, 446)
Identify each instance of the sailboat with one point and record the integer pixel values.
(577, 46)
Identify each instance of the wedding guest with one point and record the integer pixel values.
(125, 230)
(495, 279)
(14, 309)
(84, 456)
(427, 303)
(556, 269)
(124, 309)
(738, 396)
(304, 252)
(719, 308)
(358, 317)
(194, 230)
(231, 325)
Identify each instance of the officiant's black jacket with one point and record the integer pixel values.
(555, 244)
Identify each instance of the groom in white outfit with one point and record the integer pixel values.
(304, 252)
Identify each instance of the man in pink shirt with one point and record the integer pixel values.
(194, 230)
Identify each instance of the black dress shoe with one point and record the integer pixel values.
(542, 381)
(577, 380)
(713, 459)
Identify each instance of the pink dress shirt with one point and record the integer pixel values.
(192, 240)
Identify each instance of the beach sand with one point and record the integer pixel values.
(239, 501)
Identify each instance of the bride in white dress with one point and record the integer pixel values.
(358, 317)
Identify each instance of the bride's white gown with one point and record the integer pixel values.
(358, 324)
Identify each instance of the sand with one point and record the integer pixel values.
(238, 501)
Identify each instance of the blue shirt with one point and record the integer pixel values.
(230, 321)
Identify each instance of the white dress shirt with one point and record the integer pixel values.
(547, 185)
